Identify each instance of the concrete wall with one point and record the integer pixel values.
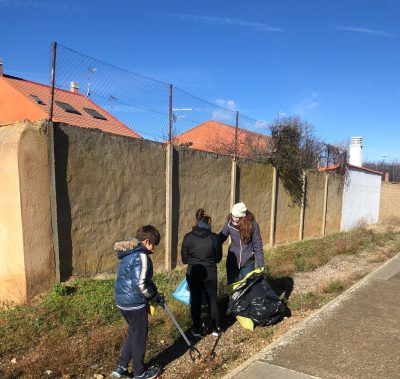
(390, 201)
(255, 190)
(287, 216)
(361, 198)
(202, 180)
(334, 205)
(313, 211)
(27, 262)
(107, 187)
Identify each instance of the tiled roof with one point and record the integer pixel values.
(219, 138)
(76, 100)
(334, 167)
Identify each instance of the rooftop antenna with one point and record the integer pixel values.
(91, 70)
(175, 117)
(112, 99)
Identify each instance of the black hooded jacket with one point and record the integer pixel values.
(201, 247)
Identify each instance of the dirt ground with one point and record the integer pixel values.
(236, 344)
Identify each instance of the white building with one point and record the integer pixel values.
(361, 192)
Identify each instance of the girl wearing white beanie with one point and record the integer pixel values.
(246, 243)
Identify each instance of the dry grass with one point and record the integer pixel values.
(76, 330)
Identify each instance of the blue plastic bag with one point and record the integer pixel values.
(182, 293)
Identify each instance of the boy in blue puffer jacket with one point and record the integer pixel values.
(134, 288)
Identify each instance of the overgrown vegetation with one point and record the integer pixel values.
(76, 329)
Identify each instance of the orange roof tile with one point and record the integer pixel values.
(219, 138)
(335, 166)
(76, 100)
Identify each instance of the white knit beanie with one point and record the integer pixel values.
(239, 210)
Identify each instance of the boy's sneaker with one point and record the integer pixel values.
(121, 372)
(217, 332)
(196, 333)
(150, 373)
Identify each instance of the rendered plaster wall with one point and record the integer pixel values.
(361, 199)
(202, 181)
(313, 211)
(390, 201)
(26, 249)
(255, 190)
(287, 216)
(107, 187)
(12, 262)
(334, 205)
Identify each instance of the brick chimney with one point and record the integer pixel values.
(386, 176)
(1, 67)
(74, 87)
(356, 151)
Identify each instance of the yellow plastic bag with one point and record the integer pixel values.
(151, 309)
(246, 323)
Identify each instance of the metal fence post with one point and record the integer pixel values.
(53, 77)
(168, 190)
(51, 160)
(171, 116)
(235, 152)
(234, 165)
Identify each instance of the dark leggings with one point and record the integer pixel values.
(135, 343)
(201, 279)
(233, 272)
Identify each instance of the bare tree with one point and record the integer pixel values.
(392, 167)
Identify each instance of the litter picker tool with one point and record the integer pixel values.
(212, 353)
(193, 352)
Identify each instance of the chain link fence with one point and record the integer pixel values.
(102, 96)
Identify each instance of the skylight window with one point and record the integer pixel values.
(67, 107)
(37, 100)
(94, 113)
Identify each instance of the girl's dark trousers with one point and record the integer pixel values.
(203, 278)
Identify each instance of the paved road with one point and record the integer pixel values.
(357, 335)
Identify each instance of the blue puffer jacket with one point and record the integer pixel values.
(133, 286)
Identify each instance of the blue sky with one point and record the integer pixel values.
(335, 63)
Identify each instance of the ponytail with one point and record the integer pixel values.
(202, 216)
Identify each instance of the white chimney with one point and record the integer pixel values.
(74, 87)
(356, 151)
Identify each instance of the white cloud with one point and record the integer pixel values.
(228, 104)
(373, 32)
(309, 103)
(257, 26)
(52, 5)
(226, 111)
(261, 124)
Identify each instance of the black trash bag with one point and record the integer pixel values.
(255, 299)
(237, 301)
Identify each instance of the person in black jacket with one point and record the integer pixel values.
(201, 251)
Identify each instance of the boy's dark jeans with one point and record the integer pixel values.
(135, 343)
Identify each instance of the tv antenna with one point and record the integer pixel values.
(175, 117)
(91, 70)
